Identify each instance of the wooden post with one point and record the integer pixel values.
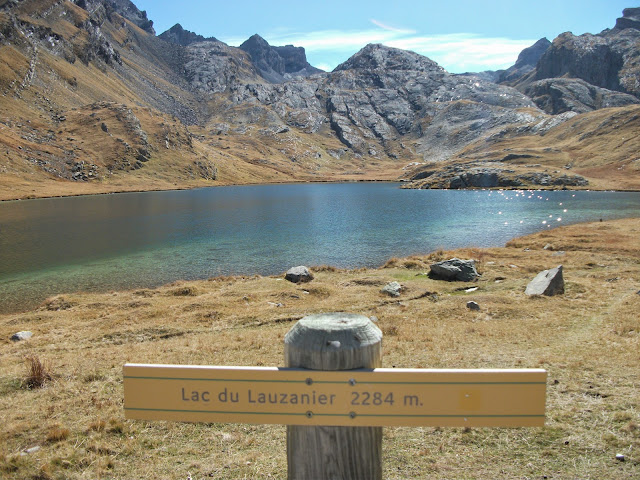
(334, 341)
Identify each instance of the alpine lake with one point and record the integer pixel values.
(135, 240)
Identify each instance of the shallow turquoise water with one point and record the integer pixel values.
(111, 242)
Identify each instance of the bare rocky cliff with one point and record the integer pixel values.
(607, 62)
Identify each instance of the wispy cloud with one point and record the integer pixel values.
(390, 28)
(456, 52)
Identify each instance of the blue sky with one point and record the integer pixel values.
(461, 35)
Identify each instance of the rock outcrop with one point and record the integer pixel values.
(559, 95)
(630, 19)
(125, 8)
(489, 175)
(214, 67)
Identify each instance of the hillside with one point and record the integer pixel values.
(93, 101)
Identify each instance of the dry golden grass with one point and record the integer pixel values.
(588, 339)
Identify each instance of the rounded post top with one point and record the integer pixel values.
(334, 322)
(333, 341)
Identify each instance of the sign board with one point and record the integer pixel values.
(378, 397)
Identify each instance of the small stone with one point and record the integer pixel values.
(557, 254)
(620, 457)
(392, 289)
(373, 318)
(473, 306)
(299, 274)
(32, 449)
(20, 336)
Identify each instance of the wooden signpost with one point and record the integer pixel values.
(335, 413)
(381, 397)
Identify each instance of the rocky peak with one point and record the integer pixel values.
(630, 19)
(180, 36)
(266, 59)
(381, 57)
(277, 64)
(525, 63)
(531, 55)
(129, 11)
(295, 59)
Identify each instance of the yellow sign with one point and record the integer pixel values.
(379, 397)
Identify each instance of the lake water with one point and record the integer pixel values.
(112, 242)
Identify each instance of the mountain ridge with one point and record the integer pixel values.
(214, 114)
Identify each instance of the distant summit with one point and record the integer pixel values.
(376, 56)
(180, 36)
(277, 64)
(527, 61)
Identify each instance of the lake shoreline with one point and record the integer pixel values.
(346, 271)
(292, 182)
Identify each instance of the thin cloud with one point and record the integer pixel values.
(390, 28)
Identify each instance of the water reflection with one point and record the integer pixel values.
(132, 240)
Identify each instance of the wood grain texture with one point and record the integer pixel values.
(334, 341)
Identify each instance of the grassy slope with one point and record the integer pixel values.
(588, 340)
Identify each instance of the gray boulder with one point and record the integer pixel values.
(20, 336)
(299, 274)
(454, 270)
(392, 289)
(549, 283)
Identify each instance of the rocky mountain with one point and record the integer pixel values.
(608, 61)
(93, 101)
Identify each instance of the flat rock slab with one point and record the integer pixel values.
(299, 274)
(548, 282)
(454, 270)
